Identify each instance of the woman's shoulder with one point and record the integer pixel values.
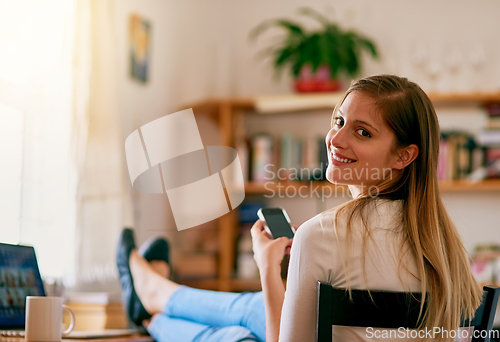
(378, 211)
(311, 227)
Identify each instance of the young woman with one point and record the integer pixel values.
(393, 235)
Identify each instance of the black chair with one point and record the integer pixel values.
(390, 310)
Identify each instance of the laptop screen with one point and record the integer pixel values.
(19, 277)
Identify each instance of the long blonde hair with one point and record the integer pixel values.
(448, 286)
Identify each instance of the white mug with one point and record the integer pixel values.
(44, 319)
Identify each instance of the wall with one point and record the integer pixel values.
(200, 49)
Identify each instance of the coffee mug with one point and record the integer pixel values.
(44, 319)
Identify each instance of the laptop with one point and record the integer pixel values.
(19, 277)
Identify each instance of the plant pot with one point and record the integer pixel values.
(320, 81)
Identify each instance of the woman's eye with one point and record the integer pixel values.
(339, 121)
(363, 133)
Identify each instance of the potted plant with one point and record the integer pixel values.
(316, 58)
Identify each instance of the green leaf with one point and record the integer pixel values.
(291, 27)
(368, 45)
(283, 55)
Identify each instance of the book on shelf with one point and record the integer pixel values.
(287, 157)
(492, 155)
(493, 122)
(262, 157)
(490, 139)
(459, 155)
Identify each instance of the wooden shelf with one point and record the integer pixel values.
(466, 185)
(481, 97)
(316, 101)
(446, 186)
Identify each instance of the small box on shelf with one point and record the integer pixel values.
(246, 268)
(196, 265)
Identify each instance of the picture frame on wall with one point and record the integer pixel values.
(139, 44)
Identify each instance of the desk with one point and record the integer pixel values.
(132, 338)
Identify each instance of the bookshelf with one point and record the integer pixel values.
(227, 114)
(267, 104)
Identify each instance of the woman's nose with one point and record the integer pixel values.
(338, 138)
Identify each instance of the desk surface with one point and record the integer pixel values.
(132, 338)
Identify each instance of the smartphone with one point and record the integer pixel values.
(277, 222)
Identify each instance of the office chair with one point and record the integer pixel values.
(389, 310)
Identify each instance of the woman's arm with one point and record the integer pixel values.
(314, 256)
(274, 293)
(268, 254)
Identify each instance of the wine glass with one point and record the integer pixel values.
(477, 59)
(453, 61)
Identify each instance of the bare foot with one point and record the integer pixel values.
(161, 267)
(153, 289)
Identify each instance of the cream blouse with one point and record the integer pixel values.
(319, 252)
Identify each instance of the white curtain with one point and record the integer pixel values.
(62, 178)
(42, 80)
(105, 206)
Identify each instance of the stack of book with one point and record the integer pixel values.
(490, 139)
(459, 155)
(493, 116)
(97, 310)
(286, 158)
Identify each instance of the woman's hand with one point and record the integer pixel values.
(268, 251)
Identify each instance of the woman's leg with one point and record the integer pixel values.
(152, 288)
(164, 328)
(211, 308)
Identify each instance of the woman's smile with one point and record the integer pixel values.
(339, 159)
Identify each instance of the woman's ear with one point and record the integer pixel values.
(405, 156)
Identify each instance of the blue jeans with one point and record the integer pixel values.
(210, 316)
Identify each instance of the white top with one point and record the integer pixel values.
(317, 253)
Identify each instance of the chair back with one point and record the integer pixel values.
(390, 310)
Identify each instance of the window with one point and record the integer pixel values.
(38, 173)
(11, 164)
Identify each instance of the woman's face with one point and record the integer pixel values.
(360, 146)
